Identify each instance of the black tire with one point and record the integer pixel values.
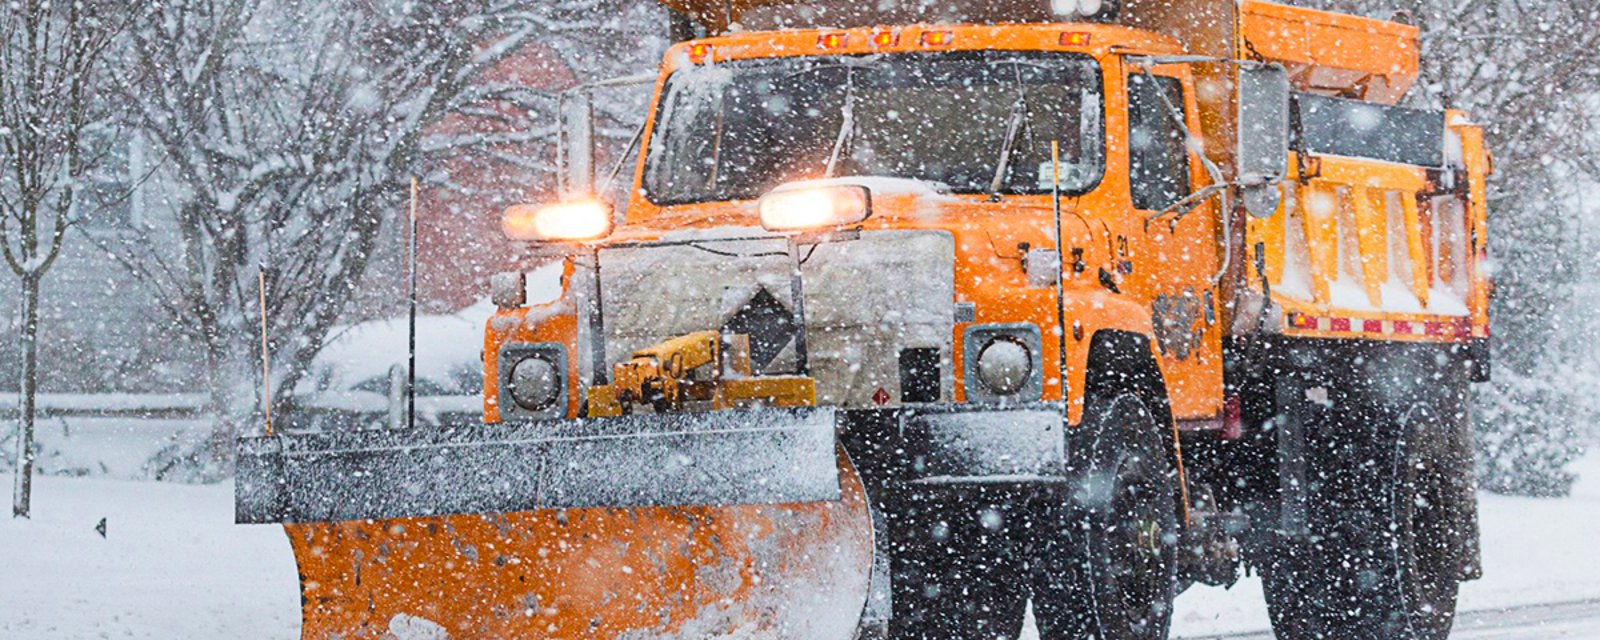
(956, 573)
(1378, 565)
(1111, 572)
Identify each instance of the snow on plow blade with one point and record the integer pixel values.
(737, 524)
(759, 456)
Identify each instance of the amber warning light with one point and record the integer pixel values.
(699, 53)
(833, 40)
(1074, 39)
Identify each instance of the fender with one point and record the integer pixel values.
(1088, 314)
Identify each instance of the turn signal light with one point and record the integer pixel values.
(574, 221)
(803, 207)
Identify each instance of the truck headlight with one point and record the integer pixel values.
(535, 383)
(1003, 363)
(1004, 366)
(533, 380)
(573, 221)
(804, 206)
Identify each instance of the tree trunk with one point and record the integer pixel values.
(22, 496)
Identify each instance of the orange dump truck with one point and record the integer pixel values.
(919, 313)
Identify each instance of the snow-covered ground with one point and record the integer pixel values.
(173, 566)
(1534, 551)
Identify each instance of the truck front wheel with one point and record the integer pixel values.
(1110, 572)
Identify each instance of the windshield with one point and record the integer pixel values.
(977, 122)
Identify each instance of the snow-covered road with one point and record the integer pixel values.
(1579, 619)
(173, 566)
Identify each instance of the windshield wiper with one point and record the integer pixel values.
(1019, 109)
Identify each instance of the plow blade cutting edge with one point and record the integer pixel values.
(760, 456)
(730, 524)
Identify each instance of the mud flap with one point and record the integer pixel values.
(724, 458)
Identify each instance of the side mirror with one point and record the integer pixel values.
(1263, 157)
(576, 145)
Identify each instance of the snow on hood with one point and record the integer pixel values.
(880, 185)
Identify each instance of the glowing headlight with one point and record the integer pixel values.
(801, 207)
(535, 383)
(568, 221)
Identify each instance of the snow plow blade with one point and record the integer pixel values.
(711, 525)
(760, 456)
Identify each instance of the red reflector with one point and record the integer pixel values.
(885, 39)
(937, 38)
(1372, 326)
(1074, 39)
(698, 53)
(1339, 324)
(833, 40)
(1401, 326)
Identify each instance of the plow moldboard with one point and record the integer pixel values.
(749, 571)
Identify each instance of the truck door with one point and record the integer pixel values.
(1171, 256)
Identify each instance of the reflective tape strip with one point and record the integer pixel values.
(1457, 328)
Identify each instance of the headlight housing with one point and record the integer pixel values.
(533, 380)
(574, 221)
(1002, 363)
(804, 206)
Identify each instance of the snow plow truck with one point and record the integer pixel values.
(920, 316)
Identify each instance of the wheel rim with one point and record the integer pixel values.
(1139, 522)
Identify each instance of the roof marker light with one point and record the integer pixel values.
(885, 39)
(833, 40)
(937, 38)
(699, 53)
(1074, 39)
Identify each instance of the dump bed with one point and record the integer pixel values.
(1332, 54)
(1389, 247)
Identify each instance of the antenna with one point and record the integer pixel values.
(411, 376)
(266, 362)
(1061, 265)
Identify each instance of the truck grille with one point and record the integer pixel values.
(866, 300)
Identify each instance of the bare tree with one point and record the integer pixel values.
(288, 131)
(51, 55)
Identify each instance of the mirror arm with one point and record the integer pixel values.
(1190, 141)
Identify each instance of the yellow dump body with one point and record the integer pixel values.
(1381, 245)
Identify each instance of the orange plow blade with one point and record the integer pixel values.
(651, 569)
(757, 571)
